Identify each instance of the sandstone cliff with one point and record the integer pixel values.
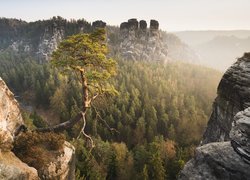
(10, 120)
(11, 167)
(140, 43)
(233, 96)
(225, 150)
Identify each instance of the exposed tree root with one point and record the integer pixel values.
(92, 145)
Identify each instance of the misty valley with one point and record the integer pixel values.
(88, 100)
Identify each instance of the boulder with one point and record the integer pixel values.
(216, 161)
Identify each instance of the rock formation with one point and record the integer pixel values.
(11, 167)
(49, 41)
(225, 150)
(63, 167)
(10, 120)
(140, 43)
(233, 96)
(98, 24)
(223, 160)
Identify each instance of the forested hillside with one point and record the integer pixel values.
(159, 114)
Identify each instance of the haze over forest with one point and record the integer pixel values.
(121, 90)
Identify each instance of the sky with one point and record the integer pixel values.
(173, 15)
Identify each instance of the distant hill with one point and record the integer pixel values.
(217, 49)
(194, 38)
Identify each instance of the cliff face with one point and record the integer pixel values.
(40, 38)
(10, 120)
(225, 150)
(233, 96)
(223, 160)
(140, 43)
(11, 167)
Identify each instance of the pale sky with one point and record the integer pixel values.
(173, 15)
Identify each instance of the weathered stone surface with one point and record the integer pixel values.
(143, 25)
(63, 168)
(216, 161)
(154, 25)
(240, 134)
(133, 24)
(124, 25)
(141, 43)
(12, 168)
(49, 42)
(10, 117)
(10, 120)
(98, 24)
(231, 159)
(233, 96)
(223, 160)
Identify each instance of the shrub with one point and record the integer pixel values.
(38, 149)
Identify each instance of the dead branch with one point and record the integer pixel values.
(83, 132)
(104, 121)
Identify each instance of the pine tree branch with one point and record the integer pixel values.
(104, 121)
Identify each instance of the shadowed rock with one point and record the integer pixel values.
(133, 24)
(233, 96)
(230, 159)
(223, 160)
(99, 24)
(124, 25)
(143, 25)
(154, 25)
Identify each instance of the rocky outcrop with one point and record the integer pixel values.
(225, 150)
(98, 24)
(49, 41)
(233, 96)
(140, 43)
(223, 160)
(11, 167)
(63, 167)
(10, 121)
(10, 117)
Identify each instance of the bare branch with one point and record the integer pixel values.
(63, 126)
(104, 121)
(83, 132)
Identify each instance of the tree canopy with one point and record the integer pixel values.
(85, 56)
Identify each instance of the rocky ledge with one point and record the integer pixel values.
(223, 160)
(11, 167)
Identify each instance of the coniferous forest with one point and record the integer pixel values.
(147, 131)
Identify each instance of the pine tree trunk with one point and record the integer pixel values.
(70, 123)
